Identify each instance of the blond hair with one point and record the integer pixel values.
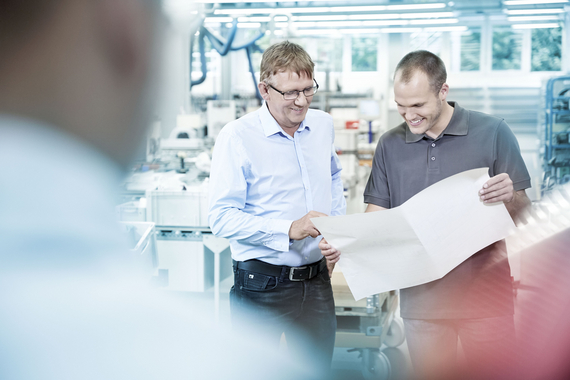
(285, 56)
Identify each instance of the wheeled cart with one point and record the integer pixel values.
(365, 324)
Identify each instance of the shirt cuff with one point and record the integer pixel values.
(279, 240)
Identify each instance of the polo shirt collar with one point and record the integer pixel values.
(270, 125)
(458, 125)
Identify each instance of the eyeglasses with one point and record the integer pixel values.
(294, 94)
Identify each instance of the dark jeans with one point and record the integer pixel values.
(303, 310)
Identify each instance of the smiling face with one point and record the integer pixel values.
(288, 113)
(423, 110)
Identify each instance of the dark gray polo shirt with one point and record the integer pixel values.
(405, 164)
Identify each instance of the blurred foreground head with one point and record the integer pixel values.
(83, 66)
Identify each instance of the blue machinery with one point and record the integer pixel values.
(223, 48)
(557, 132)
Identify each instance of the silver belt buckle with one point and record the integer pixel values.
(292, 271)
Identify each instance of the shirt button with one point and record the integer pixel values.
(433, 158)
(433, 145)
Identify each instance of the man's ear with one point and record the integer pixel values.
(123, 33)
(263, 90)
(443, 92)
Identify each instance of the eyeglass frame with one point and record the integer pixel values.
(316, 87)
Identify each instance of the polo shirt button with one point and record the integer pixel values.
(433, 145)
(433, 158)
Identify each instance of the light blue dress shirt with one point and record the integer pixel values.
(262, 180)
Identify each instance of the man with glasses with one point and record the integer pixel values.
(272, 171)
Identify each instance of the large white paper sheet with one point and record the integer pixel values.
(419, 241)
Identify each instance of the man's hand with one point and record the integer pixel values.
(303, 227)
(328, 251)
(498, 189)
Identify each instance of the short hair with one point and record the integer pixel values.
(285, 56)
(426, 62)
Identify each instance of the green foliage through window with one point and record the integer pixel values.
(507, 47)
(546, 49)
(470, 51)
(364, 53)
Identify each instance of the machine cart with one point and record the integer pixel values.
(365, 324)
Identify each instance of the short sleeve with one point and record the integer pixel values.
(377, 191)
(508, 158)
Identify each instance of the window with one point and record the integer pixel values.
(364, 53)
(546, 49)
(470, 50)
(430, 41)
(507, 48)
(329, 54)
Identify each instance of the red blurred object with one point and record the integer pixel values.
(352, 124)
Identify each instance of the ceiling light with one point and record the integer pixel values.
(377, 16)
(426, 15)
(313, 32)
(531, 2)
(400, 30)
(445, 21)
(535, 26)
(462, 28)
(249, 19)
(350, 9)
(320, 18)
(534, 11)
(532, 18)
(415, 6)
(359, 31)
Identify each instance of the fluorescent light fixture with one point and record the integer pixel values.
(281, 18)
(251, 19)
(426, 15)
(350, 9)
(426, 22)
(400, 30)
(415, 6)
(359, 31)
(321, 18)
(218, 19)
(535, 26)
(462, 28)
(377, 16)
(384, 22)
(314, 32)
(532, 2)
(532, 18)
(534, 11)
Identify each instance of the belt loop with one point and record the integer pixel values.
(282, 276)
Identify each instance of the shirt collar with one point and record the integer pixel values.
(270, 125)
(458, 125)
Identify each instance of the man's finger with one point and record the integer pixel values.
(496, 179)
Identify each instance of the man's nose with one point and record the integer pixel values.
(409, 114)
(301, 99)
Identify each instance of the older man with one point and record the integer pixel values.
(273, 170)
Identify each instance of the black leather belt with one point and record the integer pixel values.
(303, 273)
